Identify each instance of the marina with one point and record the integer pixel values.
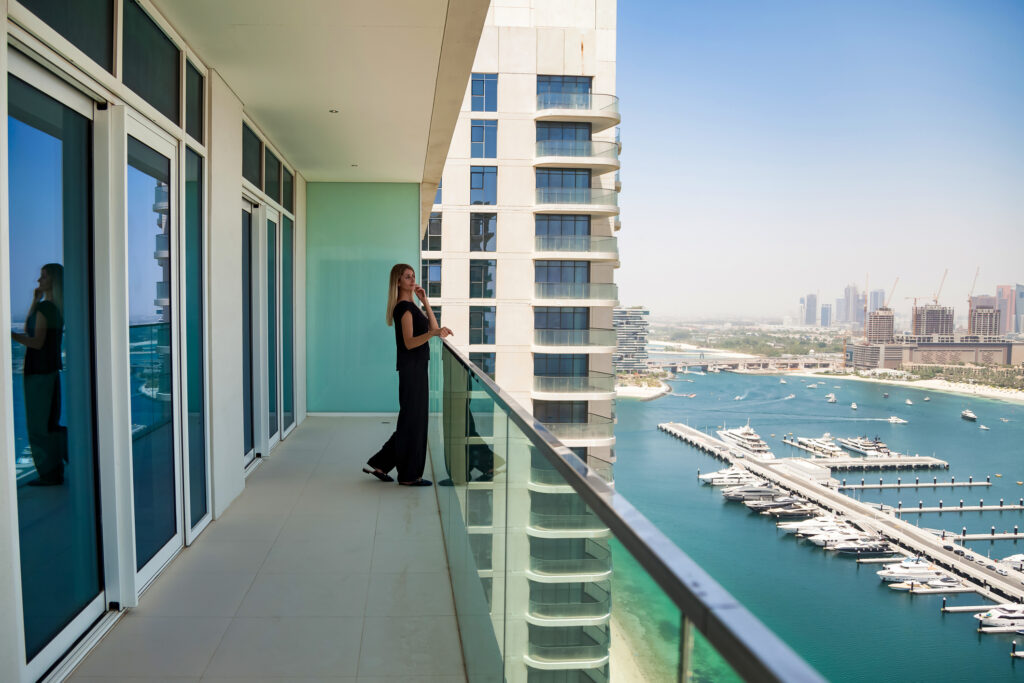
(916, 485)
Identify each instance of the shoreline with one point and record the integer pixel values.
(623, 654)
(941, 385)
(690, 348)
(644, 393)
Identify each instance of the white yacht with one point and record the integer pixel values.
(944, 581)
(752, 492)
(791, 396)
(893, 420)
(824, 445)
(865, 446)
(853, 406)
(871, 546)
(909, 402)
(983, 427)
(830, 397)
(811, 386)
(786, 511)
(782, 381)
(740, 479)
(894, 574)
(829, 539)
(820, 522)
(747, 441)
(783, 501)
(734, 469)
(927, 398)
(1009, 614)
(969, 415)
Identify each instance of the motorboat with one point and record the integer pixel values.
(910, 563)
(1003, 419)
(863, 548)
(830, 397)
(811, 386)
(865, 446)
(909, 402)
(759, 505)
(791, 396)
(747, 441)
(885, 394)
(819, 522)
(983, 427)
(938, 582)
(728, 480)
(721, 473)
(1008, 614)
(752, 492)
(927, 398)
(893, 420)
(894, 574)
(782, 381)
(788, 511)
(831, 538)
(824, 445)
(968, 415)
(853, 406)
(737, 398)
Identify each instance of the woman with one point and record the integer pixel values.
(407, 447)
(44, 330)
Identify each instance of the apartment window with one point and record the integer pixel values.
(560, 411)
(561, 271)
(560, 364)
(151, 61)
(484, 139)
(432, 240)
(484, 92)
(563, 177)
(483, 185)
(556, 225)
(193, 101)
(288, 190)
(437, 197)
(272, 175)
(561, 318)
(252, 151)
(564, 84)
(548, 130)
(483, 231)
(482, 274)
(481, 324)
(437, 314)
(87, 24)
(484, 361)
(430, 277)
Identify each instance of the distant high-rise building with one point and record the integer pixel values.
(862, 302)
(984, 320)
(880, 326)
(933, 319)
(851, 304)
(840, 311)
(826, 315)
(1005, 304)
(811, 309)
(631, 328)
(877, 299)
(1018, 309)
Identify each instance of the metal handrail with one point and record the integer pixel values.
(748, 646)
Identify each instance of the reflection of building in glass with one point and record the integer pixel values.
(631, 328)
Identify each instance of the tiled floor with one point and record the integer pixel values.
(315, 573)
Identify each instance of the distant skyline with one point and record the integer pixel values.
(771, 150)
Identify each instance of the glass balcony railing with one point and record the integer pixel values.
(557, 521)
(596, 427)
(606, 105)
(605, 291)
(593, 382)
(703, 633)
(578, 243)
(600, 149)
(593, 196)
(591, 337)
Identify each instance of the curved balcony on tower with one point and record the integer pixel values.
(602, 201)
(598, 430)
(578, 247)
(593, 340)
(593, 386)
(577, 293)
(601, 156)
(599, 110)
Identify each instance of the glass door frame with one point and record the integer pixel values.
(39, 78)
(251, 457)
(145, 132)
(268, 215)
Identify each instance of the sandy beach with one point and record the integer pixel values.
(642, 393)
(624, 664)
(999, 393)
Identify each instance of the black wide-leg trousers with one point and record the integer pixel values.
(407, 447)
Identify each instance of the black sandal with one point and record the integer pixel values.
(377, 473)
(418, 482)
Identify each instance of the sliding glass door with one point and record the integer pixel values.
(249, 368)
(151, 208)
(272, 331)
(52, 347)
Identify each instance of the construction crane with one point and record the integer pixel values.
(970, 299)
(893, 291)
(939, 290)
(913, 317)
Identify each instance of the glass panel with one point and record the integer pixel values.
(193, 102)
(272, 173)
(252, 153)
(151, 62)
(87, 24)
(288, 191)
(248, 407)
(50, 186)
(150, 266)
(194, 276)
(272, 327)
(287, 324)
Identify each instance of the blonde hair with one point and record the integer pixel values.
(397, 271)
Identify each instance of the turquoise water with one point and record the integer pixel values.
(832, 611)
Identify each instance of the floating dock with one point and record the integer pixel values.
(915, 485)
(955, 508)
(882, 462)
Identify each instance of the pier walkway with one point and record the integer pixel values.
(915, 485)
(903, 534)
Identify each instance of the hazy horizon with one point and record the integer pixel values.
(774, 150)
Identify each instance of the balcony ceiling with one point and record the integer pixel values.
(396, 70)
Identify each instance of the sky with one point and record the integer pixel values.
(776, 149)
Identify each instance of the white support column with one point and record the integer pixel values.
(113, 386)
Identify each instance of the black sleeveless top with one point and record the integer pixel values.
(406, 358)
(47, 359)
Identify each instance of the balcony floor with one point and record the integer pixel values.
(316, 572)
